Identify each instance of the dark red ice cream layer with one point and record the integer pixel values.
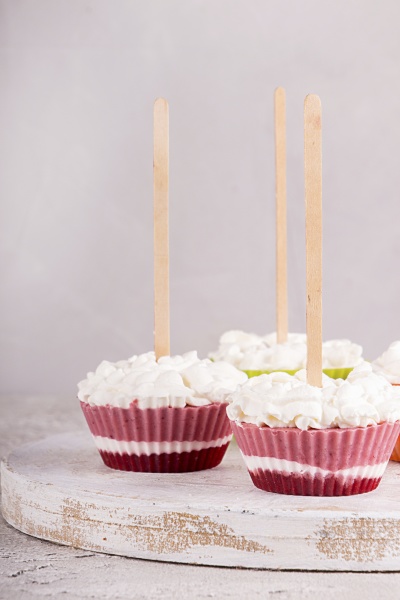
(176, 462)
(297, 484)
(329, 449)
(167, 424)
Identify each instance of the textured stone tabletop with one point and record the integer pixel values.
(31, 568)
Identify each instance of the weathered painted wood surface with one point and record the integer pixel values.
(57, 489)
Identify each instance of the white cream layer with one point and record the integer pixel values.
(266, 463)
(280, 400)
(248, 351)
(388, 364)
(176, 381)
(147, 448)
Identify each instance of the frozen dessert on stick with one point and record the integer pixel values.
(283, 351)
(153, 412)
(309, 434)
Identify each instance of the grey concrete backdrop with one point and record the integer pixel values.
(78, 80)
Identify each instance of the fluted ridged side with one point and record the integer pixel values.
(311, 485)
(183, 462)
(166, 424)
(202, 424)
(328, 449)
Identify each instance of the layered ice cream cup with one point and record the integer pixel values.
(162, 416)
(302, 440)
(388, 365)
(396, 450)
(257, 355)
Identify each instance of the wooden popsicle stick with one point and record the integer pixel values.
(161, 243)
(281, 228)
(313, 197)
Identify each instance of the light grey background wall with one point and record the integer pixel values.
(78, 80)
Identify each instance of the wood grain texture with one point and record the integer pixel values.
(313, 199)
(161, 229)
(59, 490)
(33, 568)
(281, 226)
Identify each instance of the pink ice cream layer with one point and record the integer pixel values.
(166, 424)
(324, 462)
(160, 440)
(329, 449)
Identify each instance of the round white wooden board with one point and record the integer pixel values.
(59, 490)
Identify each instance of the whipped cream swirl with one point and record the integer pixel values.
(282, 400)
(248, 351)
(388, 364)
(171, 381)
